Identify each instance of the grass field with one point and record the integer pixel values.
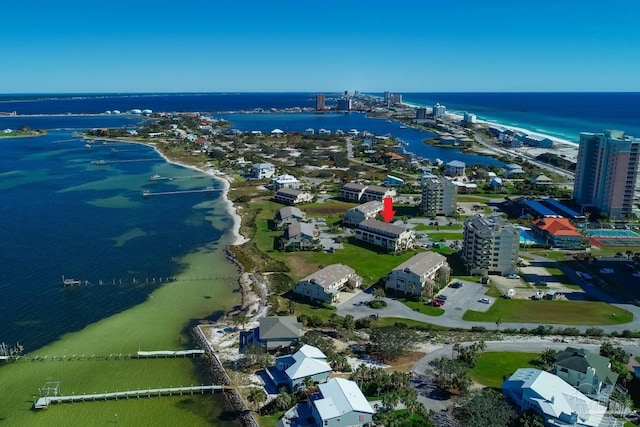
(422, 227)
(492, 367)
(423, 308)
(550, 312)
(449, 236)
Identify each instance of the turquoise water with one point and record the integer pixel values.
(64, 216)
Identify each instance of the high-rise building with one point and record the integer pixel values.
(606, 172)
(387, 97)
(344, 104)
(395, 99)
(439, 110)
(319, 102)
(439, 196)
(421, 113)
(490, 245)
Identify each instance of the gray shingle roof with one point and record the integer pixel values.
(277, 327)
(375, 225)
(422, 262)
(330, 275)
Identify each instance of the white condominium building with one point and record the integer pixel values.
(490, 245)
(439, 196)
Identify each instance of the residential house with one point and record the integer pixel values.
(454, 168)
(512, 170)
(375, 192)
(419, 274)
(391, 157)
(274, 332)
(465, 187)
(387, 236)
(309, 132)
(290, 196)
(554, 400)
(263, 170)
(496, 183)
(285, 181)
(340, 403)
(352, 191)
(590, 373)
(287, 215)
(300, 236)
(541, 181)
(325, 284)
(295, 369)
(357, 214)
(557, 232)
(277, 133)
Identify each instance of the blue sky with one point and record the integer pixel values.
(308, 45)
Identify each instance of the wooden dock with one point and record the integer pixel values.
(148, 193)
(170, 353)
(45, 401)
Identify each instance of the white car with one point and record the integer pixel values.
(485, 300)
(636, 274)
(513, 276)
(606, 270)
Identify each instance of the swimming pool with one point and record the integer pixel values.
(528, 239)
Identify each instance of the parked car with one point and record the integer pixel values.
(456, 285)
(436, 303)
(441, 297)
(513, 276)
(485, 300)
(606, 270)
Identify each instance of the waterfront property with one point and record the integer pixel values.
(287, 215)
(274, 332)
(606, 173)
(386, 236)
(325, 284)
(340, 403)
(554, 400)
(290, 196)
(420, 274)
(357, 214)
(512, 170)
(263, 170)
(285, 181)
(301, 236)
(590, 373)
(455, 168)
(293, 370)
(557, 233)
(490, 245)
(439, 196)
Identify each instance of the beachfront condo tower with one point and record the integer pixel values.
(490, 245)
(439, 196)
(606, 173)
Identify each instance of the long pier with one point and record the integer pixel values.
(148, 193)
(45, 401)
(170, 353)
(154, 178)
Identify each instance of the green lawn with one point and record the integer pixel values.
(471, 199)
(550, 312)
(423, 308)
(422, 227)
(492, 367)
(449, 236)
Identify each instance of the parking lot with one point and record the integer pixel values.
(465, 298)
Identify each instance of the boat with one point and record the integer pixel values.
(87, 145)
(403, 127)
(70, 282)
(154, 177)
(99, 162)
(146, 193)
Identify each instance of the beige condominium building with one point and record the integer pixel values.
(490, 245)
(439, 196)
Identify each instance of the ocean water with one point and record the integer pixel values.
(64, 216)
(563, 115)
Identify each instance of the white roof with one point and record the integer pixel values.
(555, 397)
(340, 396)
(306, 366)
(456, 163)
(277, 131)
(311, 351)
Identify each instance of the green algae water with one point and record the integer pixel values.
(64, 215)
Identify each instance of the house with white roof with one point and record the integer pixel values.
(309, 132)
(454, 168)
(263, 170)
(322, 131)
(419, 274)
(285, 181)
(554, 400)
(325, 284)
(293, 370)
(541, 180)
(277, 133)
(387, 236)
(357, 214)
(340, 403)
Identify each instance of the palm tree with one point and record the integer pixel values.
(257, 396)
(498, 323)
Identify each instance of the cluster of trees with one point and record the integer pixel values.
(488, 408)
(452, 374)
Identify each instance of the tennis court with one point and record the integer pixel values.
(610, 237)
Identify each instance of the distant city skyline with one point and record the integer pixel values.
(330, 46)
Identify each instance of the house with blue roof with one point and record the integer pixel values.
(293, 370)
